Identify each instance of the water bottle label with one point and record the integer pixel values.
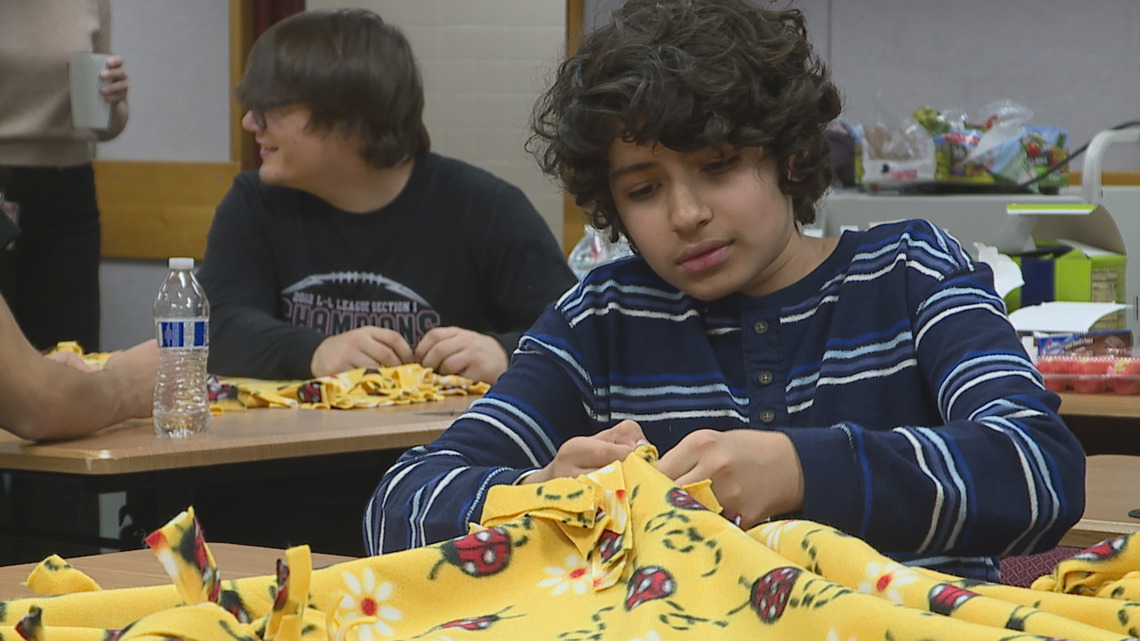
(183, 333)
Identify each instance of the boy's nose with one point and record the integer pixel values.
(688, 210)
(249, 123)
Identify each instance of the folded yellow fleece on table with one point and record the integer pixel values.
(358, 388)
(619, 554)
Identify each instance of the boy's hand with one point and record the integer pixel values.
(367, 346)
(755, 474)
(584, 454)
(454, 350)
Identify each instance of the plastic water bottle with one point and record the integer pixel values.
(181, 323)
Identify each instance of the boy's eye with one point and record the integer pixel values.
(721, 164)
(642, 192)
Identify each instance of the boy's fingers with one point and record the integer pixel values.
(626, 433)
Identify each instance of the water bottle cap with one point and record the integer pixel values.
(180, 262)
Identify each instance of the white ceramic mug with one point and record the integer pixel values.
(89, 108)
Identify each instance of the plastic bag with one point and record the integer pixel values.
(594, 249)
(990, 148)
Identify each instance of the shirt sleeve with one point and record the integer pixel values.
(247, 338)
(1001, 466)
(434, 492)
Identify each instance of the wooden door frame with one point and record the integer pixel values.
(242, 148)
(150, 210)
(572, 217)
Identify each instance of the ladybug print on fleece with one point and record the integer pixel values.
(945, 598)
(1105, 550)
(610, 543)
(219, 391)
(681, 499)
(771, 592)
(475, 623)
(647, 584)
(310, 392)
(483, 553)
(31, 626)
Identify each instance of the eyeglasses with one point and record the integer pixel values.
(258, 113)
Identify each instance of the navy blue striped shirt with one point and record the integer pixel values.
(920, 422)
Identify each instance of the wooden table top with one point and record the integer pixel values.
(269, 434)
(140, 568)
(236, 437)
(1112, 488)
(1100, 405)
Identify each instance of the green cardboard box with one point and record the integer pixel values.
(1093, 268)
(1090, 274)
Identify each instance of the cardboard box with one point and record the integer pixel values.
(1067, 253)
(1112, 342)
(1038, 271)
(1090, 274)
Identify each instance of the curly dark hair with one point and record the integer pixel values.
(688, 74)
(355, 72)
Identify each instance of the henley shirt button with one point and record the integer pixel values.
(767, 416)
(760, 327)
(766, 378)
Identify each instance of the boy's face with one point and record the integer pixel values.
(293, 155)
(711, 222)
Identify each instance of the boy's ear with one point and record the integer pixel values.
(794, 175)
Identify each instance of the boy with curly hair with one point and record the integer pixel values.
(871, 382)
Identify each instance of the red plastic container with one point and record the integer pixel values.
(1091, 374)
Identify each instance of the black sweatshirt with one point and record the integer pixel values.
(458, 246)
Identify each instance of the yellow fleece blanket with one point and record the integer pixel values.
(620, 554)
(358, 388)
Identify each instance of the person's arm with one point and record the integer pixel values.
(41, 399)
(247, 338)
(433, 492)
(1003, 467)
